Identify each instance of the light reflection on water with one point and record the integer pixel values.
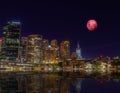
(59, 82)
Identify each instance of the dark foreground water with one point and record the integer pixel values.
(59, 82)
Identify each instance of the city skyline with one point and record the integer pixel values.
(67, 20)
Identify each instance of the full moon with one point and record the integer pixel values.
(92, 25)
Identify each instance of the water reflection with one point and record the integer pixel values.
(59, 82)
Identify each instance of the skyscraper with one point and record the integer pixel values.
(0, 48)
(54, 52)
(54, 43)
(65, 49)
(24, 45)
(0, 44)
(11, 41)
(45, 52)
(34, 53)
(78, 51)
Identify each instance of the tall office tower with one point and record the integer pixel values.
(78, 51)
(48, 55)
(0, 45)
(0, 48)
(54, 43)
(45, 48)
(24, 50)
(65, 49)
(11, 41)
(54, 51)
(34, 53)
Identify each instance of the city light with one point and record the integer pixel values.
(35, 52)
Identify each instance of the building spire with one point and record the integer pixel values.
(78, 50)
(78, 45)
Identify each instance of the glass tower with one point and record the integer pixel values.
(11, 41)
(65, 49)
(54, 53)
(24, 45)
(34, 53)
(78, 51)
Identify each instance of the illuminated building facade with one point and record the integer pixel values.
(50, 52)
(65, 49)
(54, 51)
(45, 48)
(78, 51)
(24, 45)
(49, 56)
(0, 48)
(11, 41)
(34, 53)
(0, 45)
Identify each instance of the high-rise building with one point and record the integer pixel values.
(0, 45)
(45, 48)
(11, 41)
(54, 43)
(54, 51)
(50, 52)
(45, 43)
(78, 51)
(49, 55)
(24, 50)
(0, 48)
(65, 49)
(34, 53)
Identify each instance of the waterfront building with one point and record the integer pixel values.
(45, 43)
(0, 48)
(50, 52)
(45, 53)
(54, 43)
(34, 53)
(49, 56)
(78, 51)
(24, 48)
(0, 45)
(65, 49)
(54, 51)
(11, 41)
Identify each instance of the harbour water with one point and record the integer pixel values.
(59, 82)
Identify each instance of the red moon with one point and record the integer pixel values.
(92, 25)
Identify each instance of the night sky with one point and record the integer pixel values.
(66, 20)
